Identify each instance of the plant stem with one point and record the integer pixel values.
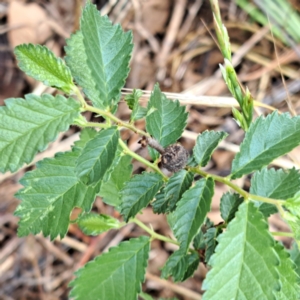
(154, 167)
(236, 188)
(141, 159)
(79, 96)
(279, 233)
(118, 121)
(95, 124)
(153, 234)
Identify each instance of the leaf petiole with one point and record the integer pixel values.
(141, 159)
(152, 233)
(280, 233)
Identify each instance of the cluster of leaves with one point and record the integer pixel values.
(244, 259)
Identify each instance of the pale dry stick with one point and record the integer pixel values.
(190, 39)
(106, 9)
(124, 231)
(285, 58)
(262, 89)
(180, 63)
(170, 38)
(38, 276)
(40, 88)
(58, 280)
(196, 52)
(54, 250)
(53, 25)
(192, 12)
(239, 53)
(6, 28)
(30, 242)
(288, 100)
(72, 243)
(121, 10)
(90, 250)
(248, 45)
(9, 248)
(77, 13)
(138, 23)
(174, 287)
(186, 99)
(251, 28)
(57, 28)
(257, 58)
(7, 264)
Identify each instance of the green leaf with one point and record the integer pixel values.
(138, 112)
(229, 205)
(294, 223)
(276, 184)
(117, 274)
(289, 285)
(133, 98)
(198, 241)
(193, 263)
(175, 266)
(97, 156)
(292, 216)
(210, 239)
(178, 183)
(86, 135)
(111, 187)
(27, 126)
(295, 256)
(94, 224)
(168, 121)
(191, 211)
(206, 144)
(266, 139)
(138, 192)
(50, 193)
(244, 264)
(98, 56)
(180, 265)
(40, 63)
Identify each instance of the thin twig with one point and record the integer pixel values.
(174, 287)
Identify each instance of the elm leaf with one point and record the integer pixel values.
(191, 211)
(98, 56)
(40, 63)
(138, 192)
(50, 193)
(206, 143)
(244, 264)
(28, 125)
(267, 138)
(122, 271)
